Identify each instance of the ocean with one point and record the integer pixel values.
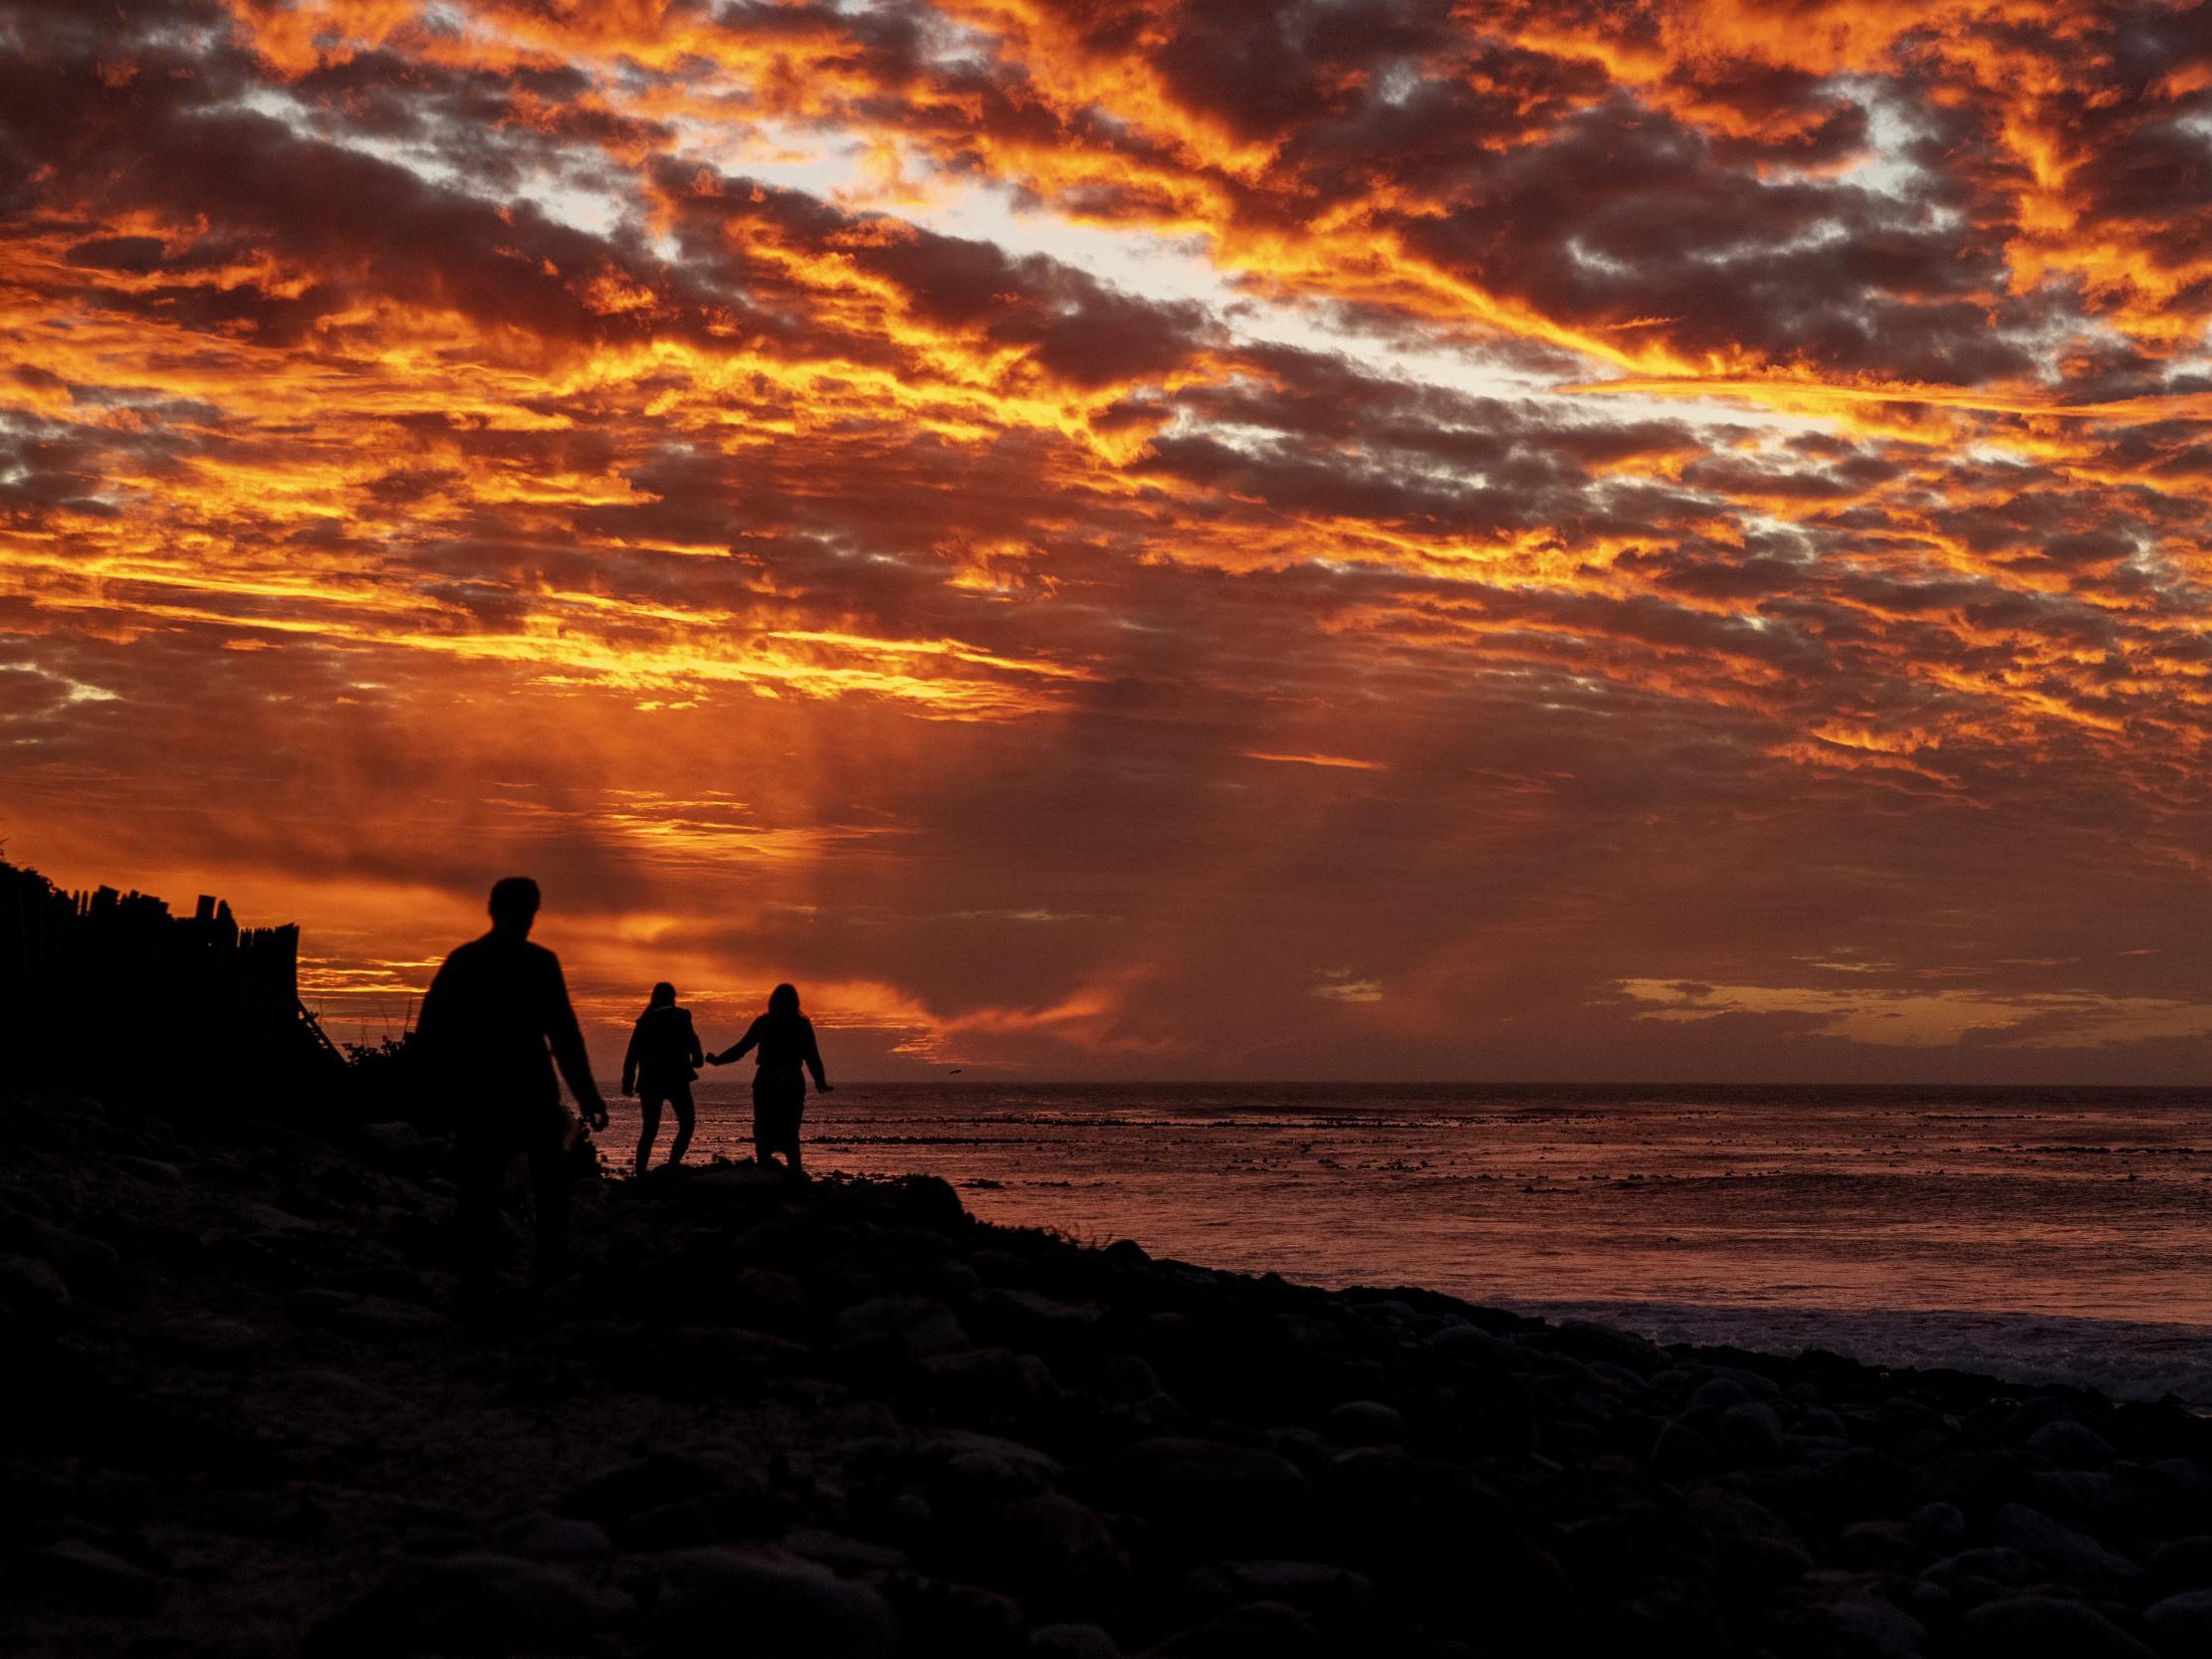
(2043, 1236)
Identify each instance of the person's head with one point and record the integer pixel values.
(664, 996)
(784, 1002)
(514, 905)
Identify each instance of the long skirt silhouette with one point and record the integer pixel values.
(778, 1103)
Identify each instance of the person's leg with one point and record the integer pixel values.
(484, 1160)
(785, 1098)
(649, 1109)
(548, 1186)
(764, 1124)
(679, 1098)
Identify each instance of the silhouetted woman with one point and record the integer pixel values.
(785, 1038)
(658, 1067)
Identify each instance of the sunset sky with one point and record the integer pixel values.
(1138, 538)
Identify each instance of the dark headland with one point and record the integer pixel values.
(848, 1420)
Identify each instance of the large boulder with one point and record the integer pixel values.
(1210, 1489)
(2185, 1621)
(672, 1499)
(478, 1603)
(2044, 1627)
(766, 1604)
(917, 1326)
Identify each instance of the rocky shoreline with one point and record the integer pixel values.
(847, 1419)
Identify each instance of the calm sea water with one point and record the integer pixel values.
(2061, 1234)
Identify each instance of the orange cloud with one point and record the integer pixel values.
(830, 483)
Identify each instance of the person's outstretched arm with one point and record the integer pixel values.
(567, 1038)
(629, 1059)
(691, 1035)
(813, 1057)
(741, 1047)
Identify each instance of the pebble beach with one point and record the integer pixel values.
(848, 1418)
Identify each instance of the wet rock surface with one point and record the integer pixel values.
(845, 1419)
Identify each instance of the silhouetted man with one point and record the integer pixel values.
(492, 1011)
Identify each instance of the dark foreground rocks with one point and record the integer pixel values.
(847, 1421)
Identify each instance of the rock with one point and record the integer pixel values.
(1924, 1447)
(2185, 1620)
(1073, 1641)
(1319, 1587)
(1996, 1565)
(939, 1617)
(1751, 1432)
(1053, 1545)
(1035, 1321)
(2070, 1446)
(402, 1284)
(1132, 1380)
(654, 1485)
(474, 1604)
(2184, 1564)
(380, 1318)
(985, 1465)
(2185, 1477)
(1257, 1630)
(1763, 1542)
(1819, 1420)
(1366, 1423)
(1883, 1546)
(773, 1300)
(2067, 1493)
(89, 1265)
(1972, 1479)
(865, 1420)
(75, 1572)
(552, 1537)
(710, 1518)
(767, 1605)
(926, 1201)
(1939, 1526)
(1472, 1343)
(1680, 1453)
(918, 1327)
(212, 1340)
(1897, 1418)
(398, 1144)
(844, 1556)
(992, 1381)
(2044, 1627)
(1868, 1629)
(2035, 1534)
(1718, 1393)
(1586, 1341)
(268, 1218)
(1212, 1489)
(317, 1303)
(1866, 1482)
(710, 1350)
(30, 1291)
(2024, 1417)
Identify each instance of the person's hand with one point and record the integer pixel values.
(597, 1115)
(629, 1091)
(825, 1088)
